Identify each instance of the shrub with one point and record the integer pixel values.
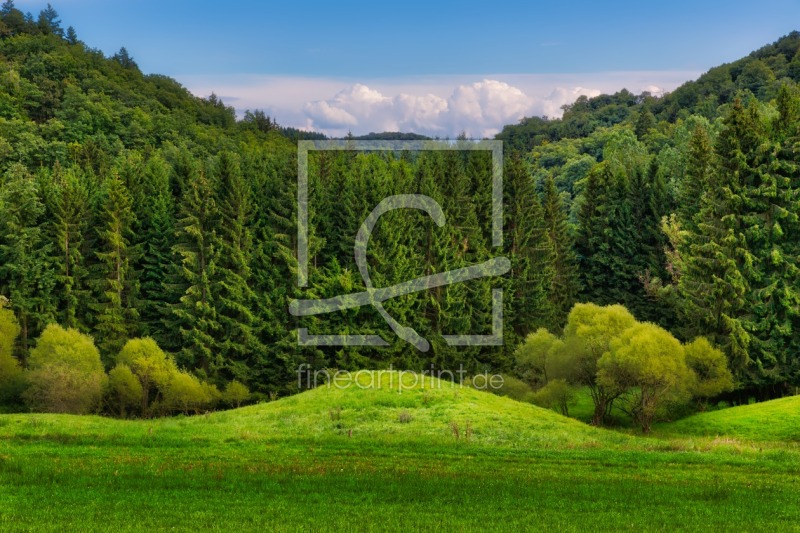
(165, 388)
(124, 390)
(588, 335)
(184, 393)
(533, 354)
(513, 388)
(151, 365)
(638, 365)
(211, 395)
(710, 368)
(11, 382)
(557, 394)
(236, 393)
(66, 374)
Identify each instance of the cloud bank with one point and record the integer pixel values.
(477, 109)
(440, 106)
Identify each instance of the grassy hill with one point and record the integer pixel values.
(376, 459)
(776, 420)
(377, 406)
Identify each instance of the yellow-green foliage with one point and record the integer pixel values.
(10, 370)
(65, 373)
(512, 387)
(557, 394)
(641, 367)
(532, 356)
(643, 355)
(9, 329)
(646, 365)
(151, 365)
(184, 393)
(164, 387)
(124, 389)
(236, 393)
(710, 367)
(588, 335)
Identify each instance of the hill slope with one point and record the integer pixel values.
(375, 408)
(776, 420)
(380, 406)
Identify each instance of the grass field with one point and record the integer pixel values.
(432, 457)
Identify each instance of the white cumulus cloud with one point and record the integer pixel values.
(478, 109)
(441, 106)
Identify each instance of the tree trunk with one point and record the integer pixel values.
(599, 415)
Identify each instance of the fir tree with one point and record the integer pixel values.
(697, 178)
(530, 251)
(773, 204)
(49, 23)
(155, 238)
(195, 315)
(718, 262)
(72, 36)
(27, 279)
(564, 289)
(117, 317)
(234, 295)
(67, 199)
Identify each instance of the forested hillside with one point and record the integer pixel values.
(685, 208)
(131, 208)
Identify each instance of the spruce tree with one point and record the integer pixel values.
(273, 266)
(72, 36)
(530, 251)
(25, 274)
(67, 200)
(564, 289)
(195, 314)
(648, 200)
(235, 297)
(696, 179)
(466, 307)
(718, 263)
(116, 285)
(49, 23)
(773, 204)
(595, 247)
(155, 238)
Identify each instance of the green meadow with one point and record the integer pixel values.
(374, 457)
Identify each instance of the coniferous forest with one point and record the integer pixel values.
(149, 219)
(177, 275)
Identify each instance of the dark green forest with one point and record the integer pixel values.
(130, 208)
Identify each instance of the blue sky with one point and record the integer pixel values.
(366, 65)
